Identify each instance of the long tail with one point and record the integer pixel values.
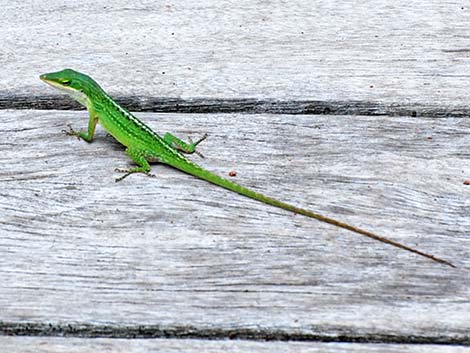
(201, 173)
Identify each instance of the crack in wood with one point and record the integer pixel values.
(191, 332)
(242, 105)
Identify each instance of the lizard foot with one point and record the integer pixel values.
(71, 132)
(131, 171)
(194, 144)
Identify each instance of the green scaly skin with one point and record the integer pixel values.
(143, 145)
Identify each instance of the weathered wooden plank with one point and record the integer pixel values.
(256, 106)
(175, 253)
(75, 345)
(412, 52)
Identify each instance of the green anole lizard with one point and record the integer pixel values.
(144, 146)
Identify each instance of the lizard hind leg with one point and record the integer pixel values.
(140, 158)
(182, 146)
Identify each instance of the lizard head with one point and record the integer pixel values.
(77, 85)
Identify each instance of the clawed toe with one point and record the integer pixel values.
(199, 154)
(128, 172)
(71, 132)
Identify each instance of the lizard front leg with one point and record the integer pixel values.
(86, 135)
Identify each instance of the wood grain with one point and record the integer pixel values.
(175, 253)
(243, 105)
(412, 52)
(75, 345)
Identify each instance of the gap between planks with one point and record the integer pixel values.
(245, 105)
(338, 335)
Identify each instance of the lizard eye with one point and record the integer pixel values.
(66, 82)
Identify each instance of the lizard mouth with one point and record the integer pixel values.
(46, 79)
(55, 83)
(79, 96)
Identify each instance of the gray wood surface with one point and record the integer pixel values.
(177, 256)
(76, 345)
(414, 52)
